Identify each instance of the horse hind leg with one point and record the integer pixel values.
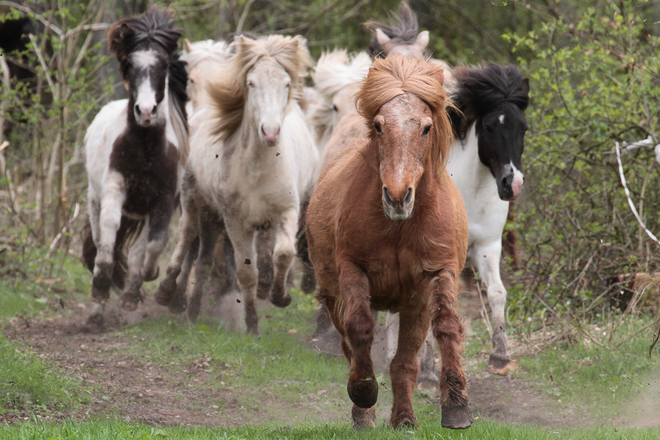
(449, 332)
(500, 362)
(405, 367)
(210, 226)
(283, 255)
(179, 301)
(131, 296)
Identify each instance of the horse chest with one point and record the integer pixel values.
(149, 173)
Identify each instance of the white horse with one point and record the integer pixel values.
(250, 165)
(133, 152)
(336, 78)
(203, 60)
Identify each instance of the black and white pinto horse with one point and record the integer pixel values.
(489, 128)
(134, 148)
(485, 165)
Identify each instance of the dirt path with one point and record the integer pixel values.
(134, 389)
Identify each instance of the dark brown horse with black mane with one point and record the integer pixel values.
(387, 230)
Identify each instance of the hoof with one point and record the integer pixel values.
(164, 293)
(193, 310)
(178, 304)
(363, 393)
(280, 298)
(456, 417)
(253, 330)
(262, 292)
(147, 276)
(101, 288)
(95, 323)
(363, 417)
(130, 301)
(308, 281)
(407, 421)
(501, 365)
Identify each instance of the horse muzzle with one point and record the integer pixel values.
(510, 185)
(398, 206)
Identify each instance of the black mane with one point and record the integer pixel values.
(178, 80)
(403, 32)
(154, 28)
(480, 90)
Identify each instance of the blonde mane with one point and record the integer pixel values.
(334, 71)
(199, 51)
(229, 91)
(395, 76)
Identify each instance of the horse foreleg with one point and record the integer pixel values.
(488, 264)
(179, 302)
(449, 332)
(188, 230)
(210, 225)
(131, 296)
(159, 223)
(283, 254)
(404, 367)
(246, 269)
(114, 195)
(265, 245)
(359, 330)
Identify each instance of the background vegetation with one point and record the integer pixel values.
(594, 71)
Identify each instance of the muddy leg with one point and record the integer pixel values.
(362, 417)
(131, 296)
(179, 301)
(449, 332)
(283, 254)
(109, 220)
(246, 270)
(159, 223)
(359, 328)
(489, 271)
(265, 244)
(188, 230)
(210, 226)
(404, 366)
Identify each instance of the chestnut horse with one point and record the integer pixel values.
(387, 230)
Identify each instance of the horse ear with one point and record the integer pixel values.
(525, 86)
(125, 31)
(423, 39)
(381, 37)
(439, 75)
(187, 46)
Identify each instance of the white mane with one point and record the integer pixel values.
(218, 51)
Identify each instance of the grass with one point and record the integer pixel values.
(28, 383)
(115, 429)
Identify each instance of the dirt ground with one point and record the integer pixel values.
(142, 391)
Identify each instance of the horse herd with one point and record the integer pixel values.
(386, 176)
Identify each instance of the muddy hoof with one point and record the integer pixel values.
(363, 393)
(95, 323)
(262, 292)
(280, 297)
(308, 280)
(407, 421)
(363, 417)
(193, 310)
(178, 304)
(501, 365)
(130, 301)
(150, 276)
(101, 288)
(164, 293)
(456, 417)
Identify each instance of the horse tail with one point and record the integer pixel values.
(127, 233)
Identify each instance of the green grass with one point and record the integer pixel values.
(113, 429)
(28, 383)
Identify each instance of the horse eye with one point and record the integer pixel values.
(192, 81)
(378, 129)
(288, 85)
(250, 84)
(334, 107)
(426, 130)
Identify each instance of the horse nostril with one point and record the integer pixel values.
(408, 198)
(386, 196)
(137, 110)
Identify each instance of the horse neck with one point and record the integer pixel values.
(467, 171)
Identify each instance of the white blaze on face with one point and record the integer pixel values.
(518, 180)
(145, 101)
(501, 118)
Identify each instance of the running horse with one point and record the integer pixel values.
(387, 230)
(134, 149)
